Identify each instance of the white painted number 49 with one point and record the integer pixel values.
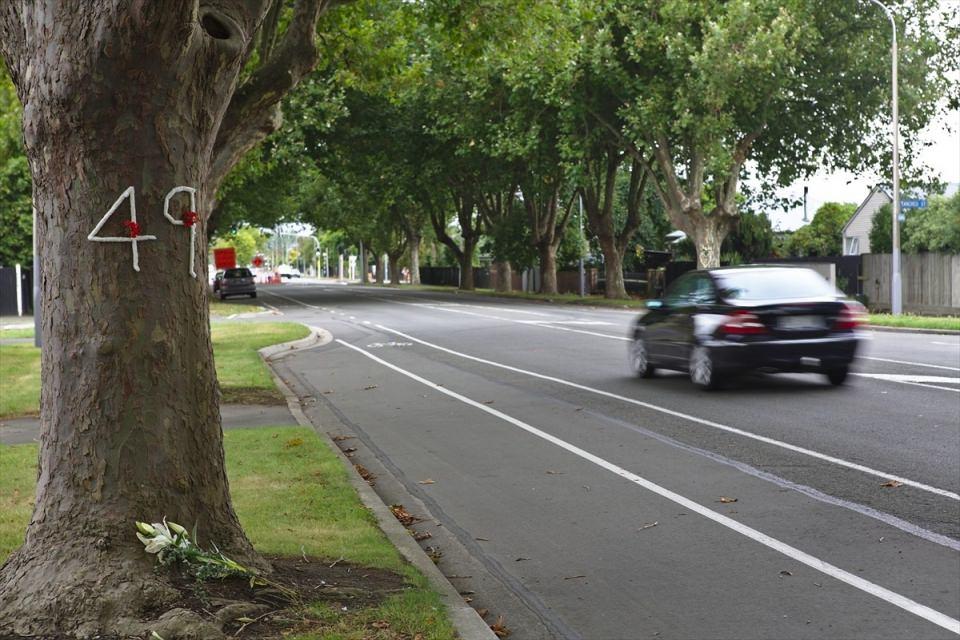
(133, 227)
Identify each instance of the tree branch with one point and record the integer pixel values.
(254, 111)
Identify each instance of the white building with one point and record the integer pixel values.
(856, 233)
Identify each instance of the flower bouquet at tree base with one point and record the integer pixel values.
(173, 545)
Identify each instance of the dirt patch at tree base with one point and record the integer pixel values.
(251, 395)
(232, 608)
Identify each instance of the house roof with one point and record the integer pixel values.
(876, 189)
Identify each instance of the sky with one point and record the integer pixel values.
(943, 156)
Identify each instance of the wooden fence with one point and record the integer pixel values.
(930, 281)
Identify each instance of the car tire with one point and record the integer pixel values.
(838, 375)
(639, 358)
(703, 372)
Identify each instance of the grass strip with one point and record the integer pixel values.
(19, 332)
(243, 376)
(228, 308)
(909, 321)
(292, 495)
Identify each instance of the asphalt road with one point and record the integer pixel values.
(580, 502)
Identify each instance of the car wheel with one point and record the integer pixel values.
(838, 375)
(639, 360)
(702, 370)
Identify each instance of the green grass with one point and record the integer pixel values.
(289, 490)
(232, 306)
(243, 375)
(19, 379)
(909, 321)
(235, 346)
(26, 332)
(19, 466)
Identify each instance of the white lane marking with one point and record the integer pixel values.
(911, 606)
(916, 364)
(302, 304)
(586, 323)
(686, 416)
(521, 322)
(920, 381)
(948, 344)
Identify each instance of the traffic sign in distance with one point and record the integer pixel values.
(913, 203)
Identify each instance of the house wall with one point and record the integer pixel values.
(859, 226)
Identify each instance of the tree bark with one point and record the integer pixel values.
(613, 268)
(380, 262)
(548, 268)
(466, 267)
(120, 97)
(413, 242)
(504, 279)
(708, 235)
(364, 265)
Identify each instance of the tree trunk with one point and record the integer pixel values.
(504, 281)
(395, 275)
(613, 269)
(129, 404)
(380, 262)
(708, 235)
(414, 244)
(548, 268)
(466, 268)
(364, 265)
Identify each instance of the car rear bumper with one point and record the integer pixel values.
(238, 290)
(815, 354)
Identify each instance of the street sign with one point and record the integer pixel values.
(225, 258)
(258, 261)
(913, 203)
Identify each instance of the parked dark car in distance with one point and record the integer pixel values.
(716, 323)
(237, 282)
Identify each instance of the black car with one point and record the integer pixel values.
(716, 323)
(237, 282)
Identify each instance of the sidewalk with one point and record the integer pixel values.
(234, 416)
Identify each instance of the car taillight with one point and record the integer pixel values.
(743, 323)
(852, 316)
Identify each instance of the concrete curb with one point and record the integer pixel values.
(466, 620)
(941, 332)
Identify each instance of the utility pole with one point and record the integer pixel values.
(896, 289)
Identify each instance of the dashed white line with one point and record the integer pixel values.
(685, 416)
(916, 364)
(896, 599)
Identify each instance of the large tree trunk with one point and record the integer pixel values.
(116, 97)
(414, 244)
(613, 269)
(708, 234)
(396, 276)
(364, 265)
(466, 268)
(548, 268)
(380, 261)
(504, 276)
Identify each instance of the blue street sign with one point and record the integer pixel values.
(913, 203)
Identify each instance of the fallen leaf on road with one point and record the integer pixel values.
(483, 539)
(500, 629)
(648, 526)
(423, 535)
(726, 500)
(785, 573)
(427, 481)
(574, 577)
(488, 402)
(372, 386)
(892, 483)
(483, 612)
(349, 449)
(521, 559)
(341, 438)
(328, 392)
(551, 472)
(365, 474)
(404, 516)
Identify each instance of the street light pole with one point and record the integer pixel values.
(896, 291)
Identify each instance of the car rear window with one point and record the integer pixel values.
(238, 273)
(772, 284)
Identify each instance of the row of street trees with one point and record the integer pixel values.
(497, 114)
